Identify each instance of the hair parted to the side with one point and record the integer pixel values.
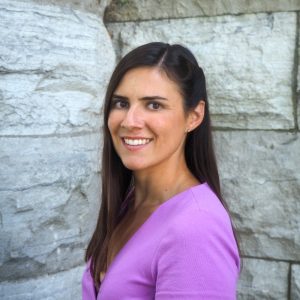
(180, 66)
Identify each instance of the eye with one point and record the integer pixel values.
(119, 104)
(154, 105)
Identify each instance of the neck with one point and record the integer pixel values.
(153, 187)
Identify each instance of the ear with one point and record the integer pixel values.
(196, 116)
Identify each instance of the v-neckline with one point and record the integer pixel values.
(155, 212)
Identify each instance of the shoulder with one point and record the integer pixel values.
(202, 228)
(201, 209)
(206, 200)
(197, 250)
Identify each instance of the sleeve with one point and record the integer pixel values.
(88, 288)
(197, 259)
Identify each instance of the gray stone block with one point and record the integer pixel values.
(60, 286)
(132, 10)
(295, 286)
(264, 280)
(49, 189)
(93, 6)
(297, 100)
(249, 83)
(261, 183)
(55, 64)
(54, 68)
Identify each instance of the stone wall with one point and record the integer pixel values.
(56, 58)
(249, 51)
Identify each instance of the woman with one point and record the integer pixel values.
(163, 231)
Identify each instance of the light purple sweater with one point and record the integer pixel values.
(184, 250)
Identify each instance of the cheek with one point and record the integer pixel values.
(172, 123)
(109, 124)
(112, 122)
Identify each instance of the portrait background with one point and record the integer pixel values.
(56, 59)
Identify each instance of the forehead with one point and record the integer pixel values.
(146, 81)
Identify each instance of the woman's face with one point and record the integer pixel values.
(147, 121)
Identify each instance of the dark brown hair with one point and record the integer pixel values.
(181, 67)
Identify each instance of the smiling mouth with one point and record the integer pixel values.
(136, 142)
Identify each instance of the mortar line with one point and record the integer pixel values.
(272, 259)
(46, 273)
(289, 282)
(52, 135)
(291, 130)
(296, 69)
(109, 21)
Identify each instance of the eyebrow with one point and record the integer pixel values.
(147, 98)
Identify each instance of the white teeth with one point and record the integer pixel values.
(136, 142)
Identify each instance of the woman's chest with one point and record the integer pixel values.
(130, 272)
(131, 223)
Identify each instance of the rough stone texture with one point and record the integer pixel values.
(64, 286)
(55, 64)
(49, 189)
(132, 10)
(96, 7)
(297, 99)
(54, 67)
(295, 287)
(261, 279)
(261, 178)
(86, 5)
(249, 84)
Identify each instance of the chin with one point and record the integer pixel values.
(134, 165)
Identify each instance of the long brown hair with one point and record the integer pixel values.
(181, 67)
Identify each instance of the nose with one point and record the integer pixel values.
(132, 118)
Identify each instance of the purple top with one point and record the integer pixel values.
(184, 250)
